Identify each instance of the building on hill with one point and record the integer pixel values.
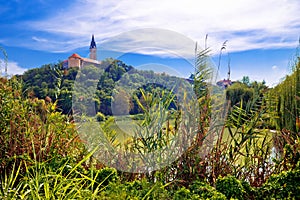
(224, 83)
(76, 60)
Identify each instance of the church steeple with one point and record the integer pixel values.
(93, 49)
(93, 43)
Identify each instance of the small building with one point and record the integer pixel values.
(224, 83)
(76, 60)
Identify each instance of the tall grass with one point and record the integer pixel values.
(32, 127)
(41, 181)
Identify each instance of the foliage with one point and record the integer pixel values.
(283, 110)
(287, 150)
(41, 181)
(8, 184)
(191, 166)
(284, 101)
(205, 191)
(239, 92)
(138, 189)
(246, 80)
(103, 176)
(182, 193)
(105, 78)
(283, 185)
(230, 187)
(33, 127)
(245, 150)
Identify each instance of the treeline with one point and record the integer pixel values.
(244, 91)
(52, 82)
(111, 78)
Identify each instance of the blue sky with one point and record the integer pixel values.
(262, 35)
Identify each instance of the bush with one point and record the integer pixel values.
(206, 191)
(138, 189)
(182, 193)
(230, 187)
(283, 185)
(250, 192)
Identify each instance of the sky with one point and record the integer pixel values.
(262, 36)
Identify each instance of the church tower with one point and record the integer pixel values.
(93, 49)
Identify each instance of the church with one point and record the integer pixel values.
(76, 60)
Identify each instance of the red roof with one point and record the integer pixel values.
(75, 55)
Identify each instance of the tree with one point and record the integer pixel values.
(246, 80)
(239, 92)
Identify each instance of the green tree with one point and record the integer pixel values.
(246, 80)
(239, 92)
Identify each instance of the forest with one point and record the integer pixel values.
(188, 138)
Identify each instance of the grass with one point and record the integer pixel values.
(125, 127)
(122, 127)
(262, 139)
(41, 181)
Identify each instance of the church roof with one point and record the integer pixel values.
(75, 55)
(93, 43)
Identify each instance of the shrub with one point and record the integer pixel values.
(230, 187)
(250, 192)
(182, 193)
(283, 185)
(206, 191)
(138, 189)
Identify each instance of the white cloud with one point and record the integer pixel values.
(247, 24)
(274, 67)
(12, 68)
(38, 39)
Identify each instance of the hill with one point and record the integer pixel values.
(112, 77)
